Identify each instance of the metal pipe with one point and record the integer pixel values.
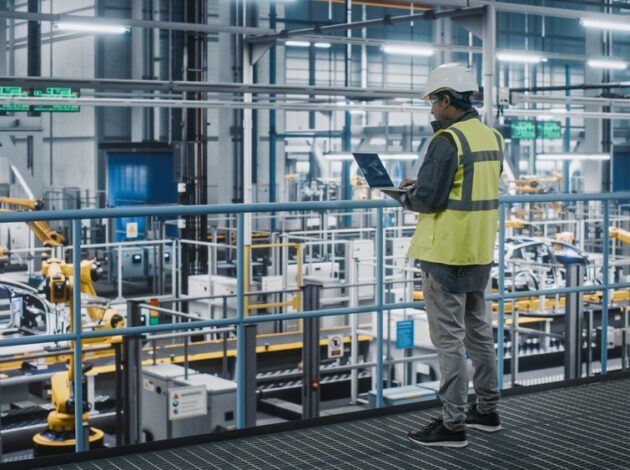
(190, 333)
(129, 22)
(386, 20)
(178, 210)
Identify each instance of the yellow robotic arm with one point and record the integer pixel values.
(60, 434)
(47, 236)
(620, 234)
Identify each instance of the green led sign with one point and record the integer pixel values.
(526, 130)
(55, 92)
(49, 92)
(550, 130)
(9, 92)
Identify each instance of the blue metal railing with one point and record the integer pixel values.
(240, 321)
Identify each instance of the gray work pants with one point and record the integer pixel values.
(458, 320)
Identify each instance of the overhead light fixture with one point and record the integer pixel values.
(357, 111)
(607, 64)
(420, 51)
(297, 43)
(605, 24)
(520, 58)
(92, 27)
(343, 156)
(574, 156)
(398, 156)
(322, 45)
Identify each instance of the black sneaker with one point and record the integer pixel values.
(436, 435)
(483, 422)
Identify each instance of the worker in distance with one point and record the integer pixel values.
(456, 195)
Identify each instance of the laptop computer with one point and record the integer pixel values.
(375, 173)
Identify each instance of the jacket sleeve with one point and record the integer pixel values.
(435, 178)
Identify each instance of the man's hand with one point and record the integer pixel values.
(408, 183)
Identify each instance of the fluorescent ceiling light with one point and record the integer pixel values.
(297, 43)
(603, 24)
(398, 156)
(520, 58)
(338, 156)
(357, 111)
(322, 45)
(607, 64)
(376, 141)
(421, 51)
(573, 156)
(344, 156)
(92, 27)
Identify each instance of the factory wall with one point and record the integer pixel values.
(68, 138)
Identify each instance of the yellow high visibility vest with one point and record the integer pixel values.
(464, 233)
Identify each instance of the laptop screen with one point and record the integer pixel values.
(373, 170)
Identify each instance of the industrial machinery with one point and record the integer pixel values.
(178, 402)
(619, 234)
(60, 435)
(46, 235)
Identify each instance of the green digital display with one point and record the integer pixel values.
(526, 130)
(10, 92)
(550, 130)
(49, 92)
(523, 130)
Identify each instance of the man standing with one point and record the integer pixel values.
(456, 193)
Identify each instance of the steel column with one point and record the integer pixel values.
(501, 282)
(489, 49)
(240, 325)
(573, 324)
(310, 353)
(250, 366)
(605, 296)
(78, 356)
(379, 305)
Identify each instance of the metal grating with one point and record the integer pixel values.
(580, 427)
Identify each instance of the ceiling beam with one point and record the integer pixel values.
(149, 24)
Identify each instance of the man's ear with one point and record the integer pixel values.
(447, 101)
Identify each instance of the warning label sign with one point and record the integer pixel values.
(335, 346)
(186, 402)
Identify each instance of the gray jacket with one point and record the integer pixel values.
(430, 195)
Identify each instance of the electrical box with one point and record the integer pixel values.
(213, 285)
(158, 380)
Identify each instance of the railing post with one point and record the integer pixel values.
(310, 352)
(240, 326)
(78, 356)
(501, 287)
(573, 324)
(379, 307)
(604, 322)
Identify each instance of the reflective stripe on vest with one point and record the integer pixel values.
(469, 159)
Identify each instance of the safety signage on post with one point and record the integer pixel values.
(404, 334)
(335, 346)
(186, 402)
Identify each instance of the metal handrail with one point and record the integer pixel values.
(240, 321)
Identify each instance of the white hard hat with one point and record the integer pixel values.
(453, 76)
